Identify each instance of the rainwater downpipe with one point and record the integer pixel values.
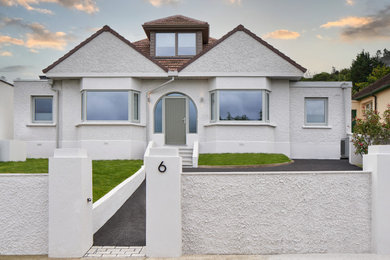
(57, 122)
(344, 86)
(148, 102)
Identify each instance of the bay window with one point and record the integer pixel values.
(239, 105)
(110, 106)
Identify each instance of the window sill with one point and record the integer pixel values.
(108, 123)
(41, 125)
(236, 123)
(317, 127)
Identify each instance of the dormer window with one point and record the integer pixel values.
(175, 44)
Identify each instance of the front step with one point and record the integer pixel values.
(186, 154)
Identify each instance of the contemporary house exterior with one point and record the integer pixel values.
(180, 87)
(375, 96)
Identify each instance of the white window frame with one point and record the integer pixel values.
(176, 44)
(130, 104)
(326, 111)
(33, 98)
(215, 109)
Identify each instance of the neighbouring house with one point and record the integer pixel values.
(375, 96)
(180, 87)
(6, 110)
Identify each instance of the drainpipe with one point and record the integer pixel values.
(344, 86)
(51, 83)
(148, 100)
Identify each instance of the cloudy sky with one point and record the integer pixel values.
(318, 34)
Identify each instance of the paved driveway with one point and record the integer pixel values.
(128, 225)
(298, 165)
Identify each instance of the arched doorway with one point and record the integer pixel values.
(175, 115)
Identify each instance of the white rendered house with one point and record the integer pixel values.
(180, 87)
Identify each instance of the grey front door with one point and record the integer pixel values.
(175, 121)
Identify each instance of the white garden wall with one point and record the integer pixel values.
(24, 214)
(276, 213)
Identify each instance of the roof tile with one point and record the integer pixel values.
(371, 89)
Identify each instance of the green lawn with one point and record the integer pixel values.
(105, 174)
(241, 159)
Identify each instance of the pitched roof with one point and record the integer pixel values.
(176, 20)
(375, 87)
(177, 23)
(6, 82)
(254, 36)
(105, 28)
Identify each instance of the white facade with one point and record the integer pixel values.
(6, 110)
(254, 67)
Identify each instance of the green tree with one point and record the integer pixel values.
(361, 68)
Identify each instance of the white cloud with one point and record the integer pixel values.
(319, 36)
(350, 21)
(6, 53)
(282, 34)
(38, 37)
(87, 6)
(158, 3)
(350, 2)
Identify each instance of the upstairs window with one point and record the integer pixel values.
(165, 44)
(175, 44)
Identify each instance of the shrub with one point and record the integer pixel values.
(371, 130)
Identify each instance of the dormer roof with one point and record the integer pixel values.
(177, 23)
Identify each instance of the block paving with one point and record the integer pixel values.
(116, 251)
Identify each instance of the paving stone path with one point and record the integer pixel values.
(116, 251)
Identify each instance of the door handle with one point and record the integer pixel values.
(184, 120)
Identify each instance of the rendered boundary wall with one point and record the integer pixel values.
(276, 213)
(24, 214)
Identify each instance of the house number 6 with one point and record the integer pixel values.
(162, 168)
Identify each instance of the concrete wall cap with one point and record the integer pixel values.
(378, 149)
(70, 153)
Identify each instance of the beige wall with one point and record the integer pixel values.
(383, 99)
(6, 111)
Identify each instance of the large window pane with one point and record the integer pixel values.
(316, 110)
(43, 109)
(165, 44)
(192, 116)
(240, 105)
(104, 105)
(158, 117)
(186, 44)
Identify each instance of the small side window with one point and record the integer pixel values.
(42, 109)
(316, 111)
(135, 106)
